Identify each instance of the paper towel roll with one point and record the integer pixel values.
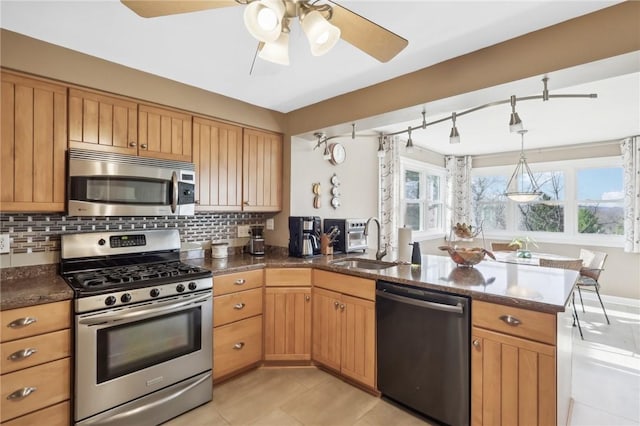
(404, 241)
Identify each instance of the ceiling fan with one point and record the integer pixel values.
(268, 21)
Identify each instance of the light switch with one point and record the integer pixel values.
(5, 243)
(270, 224)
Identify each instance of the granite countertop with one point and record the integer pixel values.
(531, 287)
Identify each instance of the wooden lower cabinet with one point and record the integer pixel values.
(513, 377)
(344, 335)
(287, 317)
(287, 324)
(236, 346)
(56, 415)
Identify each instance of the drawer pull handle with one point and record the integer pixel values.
(476, 343)
(511, 320)
(22, 322)
(342, 307)
(21, 393)
(238, 346)
(307, 298)
(143, 145)
(240, 281)
(336, 305)
(239, 306)
(133, 144)
(22, 354)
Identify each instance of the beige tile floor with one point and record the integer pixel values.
(606, 386)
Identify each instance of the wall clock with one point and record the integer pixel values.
(338, 154)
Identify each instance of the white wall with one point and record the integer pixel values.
(358, 177)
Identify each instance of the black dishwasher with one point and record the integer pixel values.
(423, 350)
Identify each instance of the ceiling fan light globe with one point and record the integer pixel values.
(263, 19)
(321, 34)
(277, 51)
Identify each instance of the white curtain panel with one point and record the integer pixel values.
(458, 200)
(389, 175)
(631, 164)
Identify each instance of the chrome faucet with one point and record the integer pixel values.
(379, 254)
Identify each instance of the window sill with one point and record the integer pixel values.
(564, 239)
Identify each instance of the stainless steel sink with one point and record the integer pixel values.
(357, 263)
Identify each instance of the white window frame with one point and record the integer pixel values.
(424, 169)
(570, 202)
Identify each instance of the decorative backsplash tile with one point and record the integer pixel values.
(40, 232)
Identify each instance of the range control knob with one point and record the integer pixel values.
(101, 242)
(180, 288)
(125, 298)
(154, 292)
(110, 300)
(193, 286)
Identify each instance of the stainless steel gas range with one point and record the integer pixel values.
(143, 321)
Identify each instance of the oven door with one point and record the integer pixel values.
(123, 354)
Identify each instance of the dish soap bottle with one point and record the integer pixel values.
(416, 257)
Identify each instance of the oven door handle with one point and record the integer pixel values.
(174, 192)
(142, 311)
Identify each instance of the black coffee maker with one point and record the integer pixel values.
(304, 236)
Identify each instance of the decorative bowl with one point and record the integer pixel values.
(467, 257)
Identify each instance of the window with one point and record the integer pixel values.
(422, 197)
(582, 199)
(600, 201)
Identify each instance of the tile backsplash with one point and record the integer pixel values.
(33, 233)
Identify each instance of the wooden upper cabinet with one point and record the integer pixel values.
(33, 143)
(217, 154)
(262, 171)
(164, 133)
(108, 123)
(102, 123)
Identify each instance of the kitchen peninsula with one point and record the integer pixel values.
(519, 367)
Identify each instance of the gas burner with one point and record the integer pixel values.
(123, 275)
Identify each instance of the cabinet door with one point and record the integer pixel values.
(326, 328)
(287, 332)
(101, 122)
(513, 380)
(217, 154)
(358, 339)
(164, 133)
(262, 171)
(33, 144)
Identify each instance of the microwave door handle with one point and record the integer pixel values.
(174, 192)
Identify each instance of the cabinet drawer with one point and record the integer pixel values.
(346, 284)
(236, 306)
(51, 383)
(57, 415)
(236, 345)
(288, 277)
(34, 320)
(238, 281)
(36, 350)
(539, 326)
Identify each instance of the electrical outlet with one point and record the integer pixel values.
(5, 243)
(243, 231)
(270, 224)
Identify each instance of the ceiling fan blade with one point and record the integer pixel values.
(367, 36)
(155, 8)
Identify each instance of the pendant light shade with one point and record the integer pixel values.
(277, 51)
(522, 187)
(263, 19)
(454, 136)
(515, 124)
(321, 34)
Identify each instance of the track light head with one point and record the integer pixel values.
(515, 124)
(409, 145)
(454, 136)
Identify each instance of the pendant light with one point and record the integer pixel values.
(409, 145)
(515, 124)
(521, 179)
(454, 136)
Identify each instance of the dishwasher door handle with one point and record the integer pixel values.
(457, 309)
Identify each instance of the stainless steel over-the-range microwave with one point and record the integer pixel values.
(107, 184)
